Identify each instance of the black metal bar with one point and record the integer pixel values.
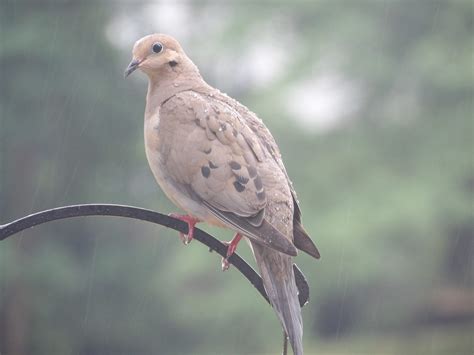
(35, 219)
(285, 344)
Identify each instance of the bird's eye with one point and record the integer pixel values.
(157, 47)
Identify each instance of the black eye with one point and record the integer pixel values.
(157, 47)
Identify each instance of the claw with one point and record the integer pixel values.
(231, 248)
(191, 221)
(225, 264)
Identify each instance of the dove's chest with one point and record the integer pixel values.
(162, 136)
(156, 147)
(159, 138)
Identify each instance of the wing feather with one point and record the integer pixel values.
(221, 167)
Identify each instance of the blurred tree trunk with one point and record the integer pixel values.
(16, 319)
(16, 307)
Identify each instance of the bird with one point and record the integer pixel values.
(218, 162)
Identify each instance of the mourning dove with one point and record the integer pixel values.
(217, 161)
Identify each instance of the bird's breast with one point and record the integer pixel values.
(158, 138)
(155, 149)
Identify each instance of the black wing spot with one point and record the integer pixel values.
(261, 195)
(205, 171)
(242, 179)
(252, 171)
(212, 165)
(234, 132)
(238, 186)
(207, 151)
(258, 183)
(234, 165)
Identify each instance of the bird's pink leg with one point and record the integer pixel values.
(231, 248)
(191, 221)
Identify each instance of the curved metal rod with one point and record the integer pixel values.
(35, 219)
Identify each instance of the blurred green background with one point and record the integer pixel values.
(371, 103)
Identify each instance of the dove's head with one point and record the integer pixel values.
(157, 55)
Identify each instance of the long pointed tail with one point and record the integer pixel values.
(276, 270)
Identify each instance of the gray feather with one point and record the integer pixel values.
(264, 234)
(276, 270)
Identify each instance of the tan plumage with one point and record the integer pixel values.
(217, 161)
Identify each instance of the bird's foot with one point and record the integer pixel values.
(191, 221)
(231, 248)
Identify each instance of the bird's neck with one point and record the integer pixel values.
(164, 85)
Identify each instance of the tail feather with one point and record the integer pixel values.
(276, 270)
(303, 241)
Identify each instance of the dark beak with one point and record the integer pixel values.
(131, 67)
